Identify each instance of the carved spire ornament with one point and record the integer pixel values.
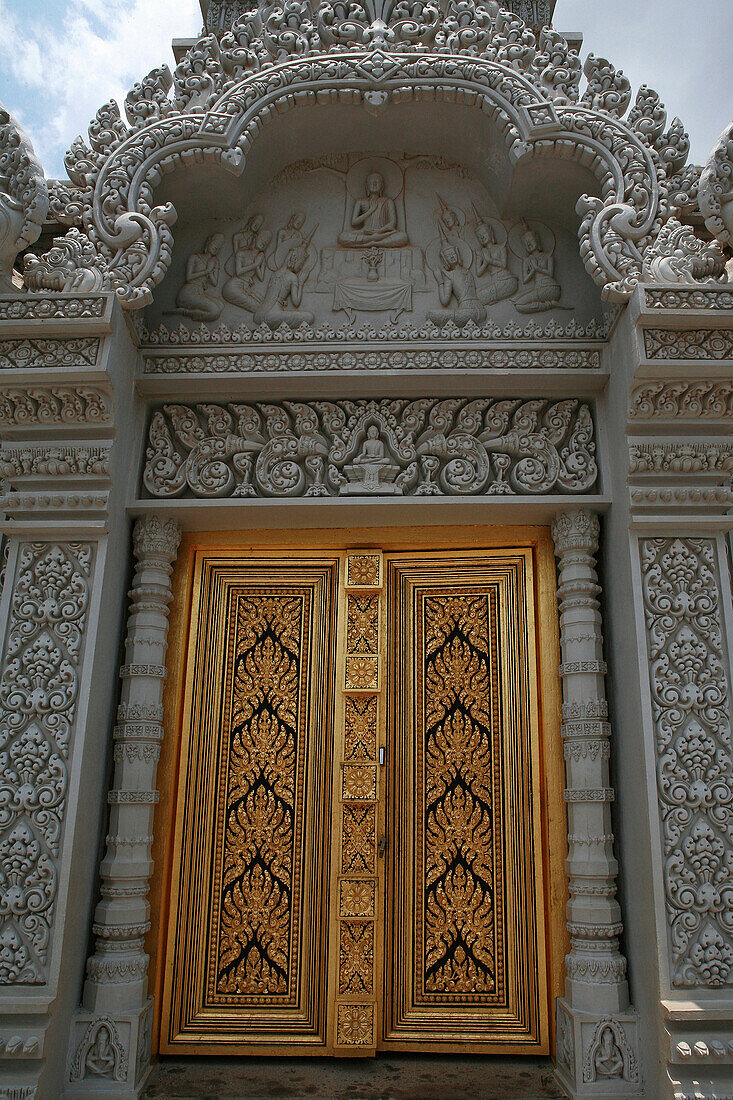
(23, 196)
(716, 189)
(274, 59)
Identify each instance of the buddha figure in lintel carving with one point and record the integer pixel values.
(374, 219)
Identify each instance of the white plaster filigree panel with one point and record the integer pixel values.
(694, 761)
(38, 699)
(427, 446)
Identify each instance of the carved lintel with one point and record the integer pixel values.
(453, 447)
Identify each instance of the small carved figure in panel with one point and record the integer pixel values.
(247, 264)
(492, 262)
(455, 280)
(197, 297)
(289, 237)
(284, 288)
(450, 221)
(608, 1061)
(372, 470)
(533, 243)
(374, 218)
(101, 1057)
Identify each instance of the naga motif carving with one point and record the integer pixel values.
(23, 196)
(427, 446)
(692, 726)
(39, 683)
(224, 92)
(716, 189)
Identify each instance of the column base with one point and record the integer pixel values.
(109, 1055)
(597, 1053)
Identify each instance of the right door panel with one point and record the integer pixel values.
(466, 958)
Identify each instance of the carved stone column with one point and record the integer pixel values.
(111, 1039)
(597, 1035)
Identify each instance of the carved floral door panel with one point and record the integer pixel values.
(466, 960)
(358, 849)
(247, 948)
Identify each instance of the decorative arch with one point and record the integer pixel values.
(375, 52)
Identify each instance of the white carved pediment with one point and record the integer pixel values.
(375, 242)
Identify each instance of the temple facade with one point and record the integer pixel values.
(366, 403)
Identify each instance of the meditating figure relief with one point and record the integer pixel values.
(608, 1061)
(374, 219)
(101, 1058)
(197, 297)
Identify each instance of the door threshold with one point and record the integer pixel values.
(385, 1077)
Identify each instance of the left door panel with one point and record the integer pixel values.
(247, 950)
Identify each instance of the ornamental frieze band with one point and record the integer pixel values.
(423, 447)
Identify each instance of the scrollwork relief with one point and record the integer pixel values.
(36, 405)
(48, 307)
(35, 353)
(695, 344)
(38, 699)
(691, 712)
(698, 398)
(326, 448)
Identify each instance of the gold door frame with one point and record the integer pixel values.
(537, 542)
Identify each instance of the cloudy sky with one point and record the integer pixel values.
(61, 59)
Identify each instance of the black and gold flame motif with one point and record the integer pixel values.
(459, 767)
(257, 916)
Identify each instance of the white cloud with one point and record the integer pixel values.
(59, 71)
(61, 60)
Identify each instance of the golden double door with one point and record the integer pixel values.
(359, 855)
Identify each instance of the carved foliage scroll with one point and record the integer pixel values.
(257, 859)
(692, 727)
(425, 447)
(460, 758)
(39, 686)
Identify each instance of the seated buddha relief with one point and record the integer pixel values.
(374, 219)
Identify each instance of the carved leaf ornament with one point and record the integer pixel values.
(225, 90)
(427, 446)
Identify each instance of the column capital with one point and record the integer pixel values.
(155, 537)
(576, 529)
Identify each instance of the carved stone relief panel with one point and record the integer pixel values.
(694, 762)
(38, 699)
(373, 241)
(427, 446)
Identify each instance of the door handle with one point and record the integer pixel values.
(382, 755)
(383, 845)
